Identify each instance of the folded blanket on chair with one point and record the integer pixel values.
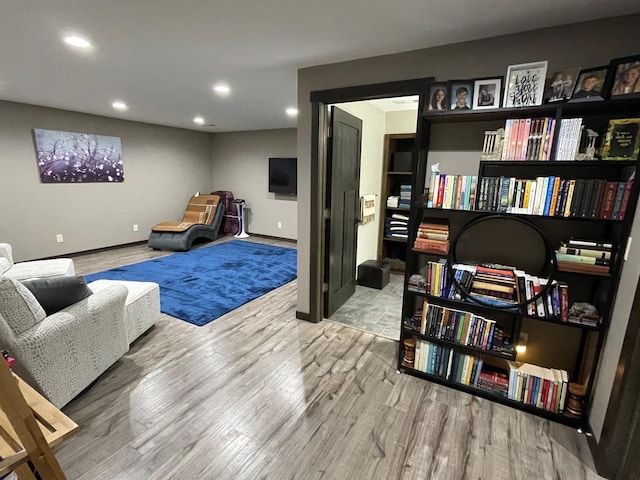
(200, 211)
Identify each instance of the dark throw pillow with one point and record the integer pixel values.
(56, 293)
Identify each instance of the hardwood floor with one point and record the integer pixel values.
(258, 394)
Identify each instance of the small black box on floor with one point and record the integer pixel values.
(374, 274)
(402, 161)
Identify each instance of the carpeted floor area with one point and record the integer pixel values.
(205, 283)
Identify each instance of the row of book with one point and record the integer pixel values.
(528, 138)
(541, 387)
(569, 138)
(432, 238)
(447, 363)
(496, 285)
(457, 326)
(457, 192)
(555, 196)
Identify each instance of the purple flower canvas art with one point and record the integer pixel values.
(69, 157)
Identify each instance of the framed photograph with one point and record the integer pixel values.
(461, 94)
(561, 84)
(70, 157)
(623, 140)
(590, 85)
(487, 93)
(438, 97)
(625, 73)
(525, 84)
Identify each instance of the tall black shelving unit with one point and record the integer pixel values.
(599, 290)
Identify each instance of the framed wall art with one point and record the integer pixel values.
(69, 157)
(487, 93)
(590, 85)
(525, 84)
(625, 74)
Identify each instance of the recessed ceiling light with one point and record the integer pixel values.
(292, 112)
(222, 89)
(118, 105)
(198, 120)
(76, 41)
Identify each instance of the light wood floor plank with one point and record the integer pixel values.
(258, 394)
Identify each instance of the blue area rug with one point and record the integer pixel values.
(203, 284)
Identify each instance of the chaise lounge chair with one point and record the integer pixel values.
(201, 220)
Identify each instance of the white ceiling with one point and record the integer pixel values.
(163, 56)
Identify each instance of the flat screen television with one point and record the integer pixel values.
(283, 176)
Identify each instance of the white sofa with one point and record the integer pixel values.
(57, 267)
(60, 355)
(63, 353)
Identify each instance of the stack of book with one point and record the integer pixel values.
(495, 285)
(495, 381)
(397, 226)
(405, 196)
(528, 138)
(544, 388)
(554, 196)
(585, 256)
(432, 237)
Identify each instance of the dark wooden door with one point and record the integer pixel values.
(343, 200)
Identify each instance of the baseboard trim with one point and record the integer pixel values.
(94, 250)
(291, 240)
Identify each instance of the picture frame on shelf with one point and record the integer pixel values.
(461, 94)
(591, 84)
(622, 141)
(487, 93)
(561, 85)
(438, 100)
(524, 84)
(625, 77)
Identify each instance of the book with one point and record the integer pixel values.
(622, 141)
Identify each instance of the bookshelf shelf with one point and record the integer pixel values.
(486, 310)
(392, 239)
(435, 212)
(399, 173)
(575, 351)
(504, 355)
(481, 392)
(397, 209)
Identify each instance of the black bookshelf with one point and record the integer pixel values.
(599, 289)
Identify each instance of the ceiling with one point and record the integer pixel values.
(162, 57)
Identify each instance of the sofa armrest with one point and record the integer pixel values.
(64, 353)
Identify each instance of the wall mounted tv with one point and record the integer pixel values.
(283, 176)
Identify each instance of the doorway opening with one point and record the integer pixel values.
(385, 110)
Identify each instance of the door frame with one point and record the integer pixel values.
(320, 100)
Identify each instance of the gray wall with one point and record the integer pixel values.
(163, 167)
(240, 164)
(586, 44)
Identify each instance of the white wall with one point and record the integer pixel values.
(163, 167)
(479, 58)
(404, 121)
(241, 165)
